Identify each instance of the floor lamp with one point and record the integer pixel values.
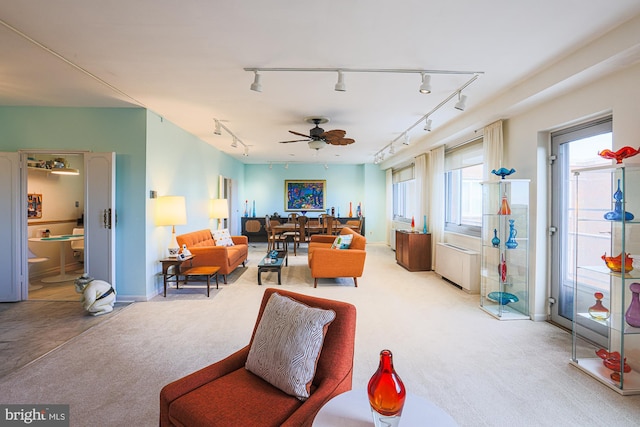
(171, 210)
(219, 209)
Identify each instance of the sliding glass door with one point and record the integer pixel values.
(575, 147)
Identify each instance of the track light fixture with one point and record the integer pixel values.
(326, 166)
(340, 86)
(406, 139)
(461, 104)
(235, 140)
(246, 151)
(256, 85)
(425, 87)
(392, 149)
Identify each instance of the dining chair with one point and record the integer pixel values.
(273, 237)
(302, 230)
(328, 224)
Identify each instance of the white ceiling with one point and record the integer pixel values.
(184, 60)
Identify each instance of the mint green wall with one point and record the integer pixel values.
(345, 183)
(180, 164)
(119, 130)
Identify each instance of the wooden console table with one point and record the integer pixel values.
(413, 250)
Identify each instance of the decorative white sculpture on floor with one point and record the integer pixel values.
(99, 296)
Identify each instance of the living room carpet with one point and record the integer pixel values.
(482, 371)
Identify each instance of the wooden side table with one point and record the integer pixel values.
(209, 272)
(170, 275)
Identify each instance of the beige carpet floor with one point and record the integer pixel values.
(482, 371)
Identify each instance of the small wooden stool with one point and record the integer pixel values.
(202, 271)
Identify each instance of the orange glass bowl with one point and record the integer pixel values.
(619, 155)
(615, 263)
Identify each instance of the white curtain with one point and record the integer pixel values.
(389, 201)
(492, 150)
(436, 205)
(422, 190)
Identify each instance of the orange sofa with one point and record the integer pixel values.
(206, 253)
(228, 394)
(330, 263)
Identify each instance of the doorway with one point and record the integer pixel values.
(55, 188)
(574, 147)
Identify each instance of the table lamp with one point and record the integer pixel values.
(219, 209)
(171, 210)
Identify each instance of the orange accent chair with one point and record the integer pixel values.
(206, 254)
(227, 394)
(330, 263)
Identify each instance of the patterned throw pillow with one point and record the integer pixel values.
(287, 344)
(343, 241)
(222, 237)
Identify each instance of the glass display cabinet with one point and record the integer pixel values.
(606, 310)
(504, 272)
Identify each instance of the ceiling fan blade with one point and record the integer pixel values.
(297, 140)
(300, 134)
(333, 134)
(341, 141)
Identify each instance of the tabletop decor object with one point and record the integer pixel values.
(599, 311)
(620, 155)
(496, 240)
(503, 298)
(615, 263)
(611, 360)
(632, 315)
(502, 269)
(616, 214)
(505, 209)
(502, 172)
(386, 393)
(511, 242)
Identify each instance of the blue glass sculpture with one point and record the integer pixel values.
(511, 242)
(502, 172)
(616, 214)
(495, 241)
(503, 298)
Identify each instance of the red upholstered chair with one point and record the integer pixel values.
(227, 394)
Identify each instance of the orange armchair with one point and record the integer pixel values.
(227, 394)
(325, 262)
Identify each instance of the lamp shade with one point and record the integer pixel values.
(171, 210)
(219, 209)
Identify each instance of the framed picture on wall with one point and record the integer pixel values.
(34, 205)
(305, 195)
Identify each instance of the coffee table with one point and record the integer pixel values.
(352, 409)
(209, 272)
(273, 264)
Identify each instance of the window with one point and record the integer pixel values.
(404, 194)
(463, 189)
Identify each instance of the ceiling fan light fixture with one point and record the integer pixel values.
(461, 104)
(316, 144)
(256, 86)
(340, 86)
(425, 87)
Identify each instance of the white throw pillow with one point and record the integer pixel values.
(222, 237)
(287, 344)
(342, 241)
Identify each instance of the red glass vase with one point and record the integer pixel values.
(599, 311)
(386, 393)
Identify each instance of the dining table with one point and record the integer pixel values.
(61, 240)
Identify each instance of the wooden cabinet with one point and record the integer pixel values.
(413, 250)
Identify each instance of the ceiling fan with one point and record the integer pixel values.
(317, 137)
